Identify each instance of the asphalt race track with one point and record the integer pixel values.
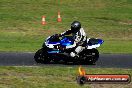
(105, 60)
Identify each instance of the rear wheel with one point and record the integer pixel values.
(41, 57)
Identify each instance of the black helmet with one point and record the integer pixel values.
(75, 26)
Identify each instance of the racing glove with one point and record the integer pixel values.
(57, 35)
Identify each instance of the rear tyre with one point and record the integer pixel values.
(66, 61)
(41, 57)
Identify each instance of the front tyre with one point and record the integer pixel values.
(95, 55)
(41, 57)
(90, 56)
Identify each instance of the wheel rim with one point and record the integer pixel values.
(92, 56)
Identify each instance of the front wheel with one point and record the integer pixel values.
(41, 57)
(90, 56)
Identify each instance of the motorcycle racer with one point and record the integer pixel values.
(79, 37)
(71, 43)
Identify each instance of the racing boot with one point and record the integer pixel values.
(74, 54)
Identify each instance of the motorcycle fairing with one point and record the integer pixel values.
(94, 43)
(53, 45)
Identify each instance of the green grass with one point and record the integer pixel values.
(51, 77)
(116, 46)
(21, 29)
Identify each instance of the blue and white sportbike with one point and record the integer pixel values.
(54, 50)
